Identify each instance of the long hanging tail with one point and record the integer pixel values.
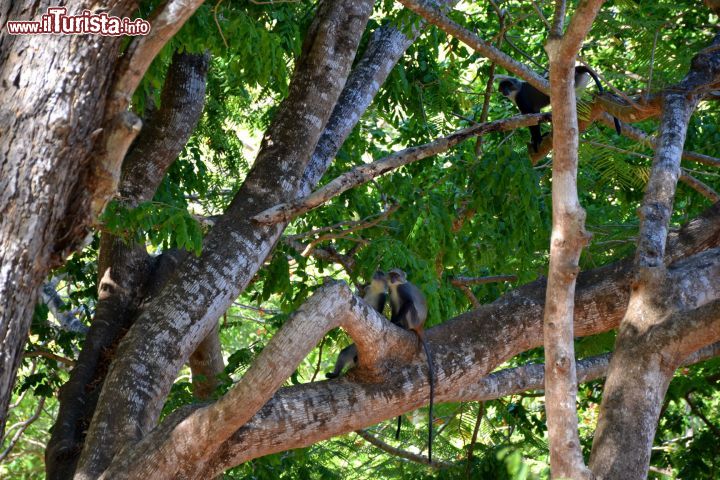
(397, 432)
(601, 90)
(431, 378)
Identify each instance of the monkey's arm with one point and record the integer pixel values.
(403, 316)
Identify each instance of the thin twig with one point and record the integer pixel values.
(413, 457)
(458, 281)
(541, 14)
(701, 415)
(470, 295)
(50, 355)
(700, 187)
(349, 224)
(23, 426)
(473, 440)
(215, 12)
(652, 64)
(317, 367)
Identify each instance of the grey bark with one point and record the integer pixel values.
(47, 120)
(173, 323)
(659, 322)
(466, 349)
(127, 273)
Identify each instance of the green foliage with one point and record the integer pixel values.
(161, 225)
(461, 213)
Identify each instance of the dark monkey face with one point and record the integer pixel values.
(397, 276)
(508, 88)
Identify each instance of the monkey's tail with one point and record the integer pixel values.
(431, 378)
(601, 90)
(397, 432)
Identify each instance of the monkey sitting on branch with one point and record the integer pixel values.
(375, 296)
(529, 99)
(409, 311)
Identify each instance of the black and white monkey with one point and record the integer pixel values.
(375, 295)
(409, 311)
(529, 99)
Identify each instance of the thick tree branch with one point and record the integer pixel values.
(126, 271)
(331, 306)
(468, 348)
(364, 173)
(387, 44)
(640, 370)
(513, 381)
(53, 106)
(165, 21)
(206, 363)
(123, 126)
(173, 322)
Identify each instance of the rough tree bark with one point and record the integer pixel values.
(384, 49)
(657, 331)
(127, 273)
(213, 291)
(173, 323)
(49, 117)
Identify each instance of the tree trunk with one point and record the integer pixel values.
(174, 322)
(49, 119)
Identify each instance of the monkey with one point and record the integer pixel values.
(375, 293)
(409, 311)
(529, 99)
(348, 357)
(375, 296)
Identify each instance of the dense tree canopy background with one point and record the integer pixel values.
(480, 209)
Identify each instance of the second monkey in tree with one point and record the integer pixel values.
(529, 99)
(375, 296)
(409, 311)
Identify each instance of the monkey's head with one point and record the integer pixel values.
(379, 281)
(379, 276)
(509, 87)
(397, 277)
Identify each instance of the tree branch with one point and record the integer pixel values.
(174, 321)
(364, 173)
(633, 397)
(331, 306)
(165, 21)
(468, 348)
(458, 281)
(22, 427)
(397, 452)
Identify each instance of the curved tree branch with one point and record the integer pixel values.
(173, 322)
